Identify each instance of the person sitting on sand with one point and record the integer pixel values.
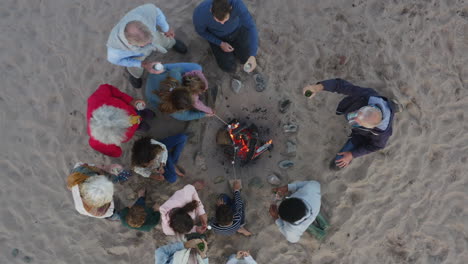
(230, 216)
(113, 119)
(92, 191)
(180, 212)
(140, 217)
(158, 160)
(230, 30)
(190, 252)
(176, 91)
(369, 114)
(297, 212)
(242, 257)
(136, 35)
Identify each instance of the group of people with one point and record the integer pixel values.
(175, 89)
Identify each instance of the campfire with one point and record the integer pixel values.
(242, 143)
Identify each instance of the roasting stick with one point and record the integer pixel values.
(220, 119)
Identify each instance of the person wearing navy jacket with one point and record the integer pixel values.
(369, 114)
(231, 31)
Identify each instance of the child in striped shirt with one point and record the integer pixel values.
(230, 216)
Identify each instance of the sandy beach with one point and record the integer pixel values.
(404, 204)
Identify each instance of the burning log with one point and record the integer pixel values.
(241, 142)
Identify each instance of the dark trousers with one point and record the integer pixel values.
(239, 40)
(175, 145)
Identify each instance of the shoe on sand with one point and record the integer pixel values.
(180, 47)
(260, 82)
(236, 85)
(398, 107)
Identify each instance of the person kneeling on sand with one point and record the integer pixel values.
(230, 215)
(92, 191)
(180, 212)
(369, 115)
(297, 212)
(113, 118)
(242, 257)
(140, 217)
(190, 252)
(177, 91)
(136, 35)
(158, 160)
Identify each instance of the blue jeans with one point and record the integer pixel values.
(348, 146)
(175, 145)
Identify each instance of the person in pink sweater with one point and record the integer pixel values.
(181, 211)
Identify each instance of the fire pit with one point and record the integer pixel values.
(241, 142)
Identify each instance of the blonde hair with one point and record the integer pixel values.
(97, 191)
(136, 216)
(137, 33)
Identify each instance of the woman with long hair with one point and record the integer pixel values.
(180, 213)
(176, 91)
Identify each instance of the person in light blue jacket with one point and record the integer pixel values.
(187, 106)
(182, 253)
(297, 212)
(135, 36)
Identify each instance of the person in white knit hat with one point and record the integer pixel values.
(92, 192)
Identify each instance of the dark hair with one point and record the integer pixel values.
(292, 209)
(144, 152)
(224, 214)
(136, 216)
(180, 221)
(220, 9)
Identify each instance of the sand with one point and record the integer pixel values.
(405, 204)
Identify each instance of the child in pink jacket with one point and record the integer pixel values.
(181, 211)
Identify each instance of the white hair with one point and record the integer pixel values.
(137, 33)
(369, 116)
(97, 191)
(109, 124)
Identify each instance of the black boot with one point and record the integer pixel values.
(135, 82)
(180, 47)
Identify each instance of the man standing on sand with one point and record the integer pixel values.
(369, 114)
(298, 211)
(133, 39)
(229, 28)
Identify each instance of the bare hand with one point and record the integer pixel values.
(236, 185)
(313, 88)
(274, 211)
(161, 169)
(156, 207)
(281, 191)
(170, 33)
(253, 63)
(345, 160)
(219, 202)
(201, 229)
(192, 243)
(226, 47)
(141, 192)
(148, 66)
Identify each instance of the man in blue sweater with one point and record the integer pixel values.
(369, 114)
(229, 28)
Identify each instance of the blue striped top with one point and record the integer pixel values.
(237, 219)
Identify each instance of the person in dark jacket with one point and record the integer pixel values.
(229, 28)
(369, 114)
